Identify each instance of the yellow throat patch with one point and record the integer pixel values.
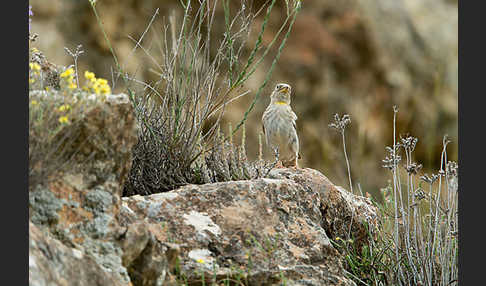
(281, 102)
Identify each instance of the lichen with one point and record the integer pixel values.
(44, 206)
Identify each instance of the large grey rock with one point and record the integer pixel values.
(274, 228)
(78, 207)
(53, 263)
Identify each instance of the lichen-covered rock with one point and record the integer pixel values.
(79, 209)
(53, 263)
(106, 136)
(273, 229)
(344, 214)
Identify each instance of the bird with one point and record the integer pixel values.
(279, 127)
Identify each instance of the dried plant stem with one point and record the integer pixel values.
(347, 162)
(395, 190)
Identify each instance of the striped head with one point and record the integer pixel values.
(281, 94)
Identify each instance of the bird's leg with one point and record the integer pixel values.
(292, 163)
(278, 164)
(295, 165)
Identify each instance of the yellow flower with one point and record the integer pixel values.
(33, 102)
(89, 75)
(67, 73)
(102, 81)
(47, 88)
(34, 50)
(34, 66)
(105, 89)
(72, 85)
(200, 261)
(63, 119)
(31, 80)
(64, 107)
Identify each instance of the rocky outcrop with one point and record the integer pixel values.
(258, 232)
(274, 228)
(78, 207)
(53, 263)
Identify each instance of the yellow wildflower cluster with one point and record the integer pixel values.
(97, 85)
(63, 119)
(64, 107)
(34, 71)
(68, 77)
(35, 67)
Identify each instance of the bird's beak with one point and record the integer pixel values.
(285, 89)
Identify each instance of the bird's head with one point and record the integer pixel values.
(281, 94)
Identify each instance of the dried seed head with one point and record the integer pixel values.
(429, 179)
(340, 124)
(452, 168)
(413, 168)
(392, 159)
(409, 142)
(419, 194)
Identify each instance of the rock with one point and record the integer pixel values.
(270, 228)
(344, 214)
(78, 207)
(53, 263)
(261, 232)
(99, 140)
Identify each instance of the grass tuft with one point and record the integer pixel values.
(199, 74)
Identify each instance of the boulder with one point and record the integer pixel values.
(259, 231)
(53, 263)
(78, 206)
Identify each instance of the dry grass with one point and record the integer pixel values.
(418, 243)
(180, 113)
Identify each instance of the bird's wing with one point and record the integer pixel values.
(294, 124)
(294, 116)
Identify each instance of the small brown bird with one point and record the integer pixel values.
(279, 127)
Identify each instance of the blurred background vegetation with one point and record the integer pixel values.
(349, 57)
